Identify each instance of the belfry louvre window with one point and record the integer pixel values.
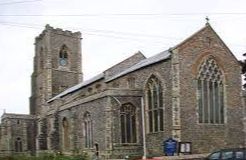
(154, 105)
(210, 88)
(63, 56)
(88, 130)
(128, 123)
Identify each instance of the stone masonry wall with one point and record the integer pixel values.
(207, 137)
(163, 71)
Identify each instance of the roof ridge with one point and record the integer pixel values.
(143, 63)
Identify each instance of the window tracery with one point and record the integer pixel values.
(154, 105)
(128, 123)
(210, 93)
(88, 130)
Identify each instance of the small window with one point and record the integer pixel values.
(115, 85)
(131, 82)
(98, 87)
(65, 125)
(88, 130)
(18, 145)
(90, 90)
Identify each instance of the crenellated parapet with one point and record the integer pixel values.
(58, 31)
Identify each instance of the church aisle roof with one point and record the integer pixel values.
(151, 60)
(78, 86)
(143, 63)
(15, 115)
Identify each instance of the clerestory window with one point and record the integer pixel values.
(210, 88)
(154, 100)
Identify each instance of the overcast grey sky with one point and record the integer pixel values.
(112, 30)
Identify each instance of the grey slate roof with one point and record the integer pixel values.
(151, 60)
(19, 116)
(78, 86)
(143, 63)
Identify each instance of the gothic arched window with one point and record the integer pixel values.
(88, 130)
(128, 123)
(154, 103)
(18, 145)
(210, 90)
(63, 56)
(65, 125)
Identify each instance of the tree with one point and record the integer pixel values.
(243, 64)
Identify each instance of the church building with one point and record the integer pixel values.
(190, 92)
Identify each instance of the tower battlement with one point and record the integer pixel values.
(57, 65)
(59, 31)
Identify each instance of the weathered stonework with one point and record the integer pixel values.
(87, 116)
(17, 128)
(176, 132)
(49, 77)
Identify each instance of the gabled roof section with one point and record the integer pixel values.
(207, 26)
(146, 62)
(187, 39)
(17, 116)
(123, 65)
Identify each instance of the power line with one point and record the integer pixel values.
(19, 25)
(123, 14)
(108, 33)
(16, 2)
(96, 34)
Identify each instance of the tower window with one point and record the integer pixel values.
(63, 56)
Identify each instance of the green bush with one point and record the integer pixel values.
(47, 156)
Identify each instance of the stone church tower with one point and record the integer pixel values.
(57, 65)
(190, 92)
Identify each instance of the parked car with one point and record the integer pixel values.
(228, 154)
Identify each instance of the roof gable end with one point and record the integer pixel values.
(209, 28)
